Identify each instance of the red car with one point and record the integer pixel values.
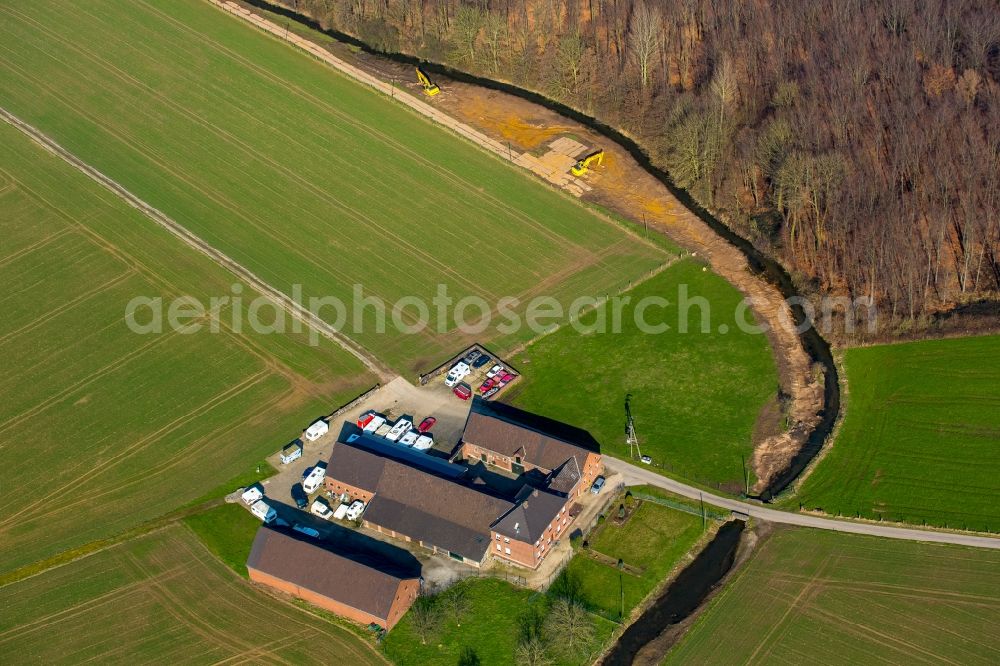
(506, 378)
(426, 424)
(486, 386)
(463, 391)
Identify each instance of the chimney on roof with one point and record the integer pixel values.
(517, 527)
(535, 493)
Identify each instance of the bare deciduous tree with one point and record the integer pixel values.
(645, 38)
(532, 652)
(569, 627)
(425, 616)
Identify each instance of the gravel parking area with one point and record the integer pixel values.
(395, 399)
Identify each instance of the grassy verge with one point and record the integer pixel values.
(650, 543)
(495, 618)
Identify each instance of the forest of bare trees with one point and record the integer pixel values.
(858, 141)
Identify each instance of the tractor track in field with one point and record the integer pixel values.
(280, 298)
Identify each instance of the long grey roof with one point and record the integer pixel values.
(489, 428)
(421, 505)
(314, 568)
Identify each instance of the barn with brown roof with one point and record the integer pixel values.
(519, 442)
(364, 589)
(413, 504)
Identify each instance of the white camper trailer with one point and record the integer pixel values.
(313, 481)
(264, 511)
(317, 430)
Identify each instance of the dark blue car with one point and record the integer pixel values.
(299, 495)
(481, 361)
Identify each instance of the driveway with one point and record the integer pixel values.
(635, 475)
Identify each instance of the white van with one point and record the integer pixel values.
(251, 495)
(341, 511)
(409, 439)
(313, 481)
(374, 424)
(264, 511)
(458, 372)
(317, 430)
(423, 443)
(321, 508)
(355, 510)
(401, 427)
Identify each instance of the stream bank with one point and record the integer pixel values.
(682, 598)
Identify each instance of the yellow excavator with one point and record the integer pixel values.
(430, 88)
(584, 164)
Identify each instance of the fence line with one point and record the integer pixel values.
(680, 506)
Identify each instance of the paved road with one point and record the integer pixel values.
(634, 474)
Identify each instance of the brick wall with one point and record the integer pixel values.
(591, 470)
(405, 596)
(530, 554)
(339, 487)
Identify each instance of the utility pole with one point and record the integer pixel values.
(746, 479)
(510, 154)
(621, 589)
(701, 498)
(393, 94)
(630, 437)
(645, 227)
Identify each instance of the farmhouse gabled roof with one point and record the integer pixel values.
(565, 478)
(529, 519)
(362, 461)
(297, 561)
(500, 429)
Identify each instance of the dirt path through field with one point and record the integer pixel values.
(281, 299)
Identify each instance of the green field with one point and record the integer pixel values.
(919, 442)
(228, 532)
(161, 599)
(695, 396)
(299, 173)
(491, 627)
(654, 540)
(102, 428)
(815, 597)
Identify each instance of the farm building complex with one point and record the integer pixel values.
(426, 500)
(437, 504)
(361, 589)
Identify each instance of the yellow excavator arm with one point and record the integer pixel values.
(584, 164)
(429, 86)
